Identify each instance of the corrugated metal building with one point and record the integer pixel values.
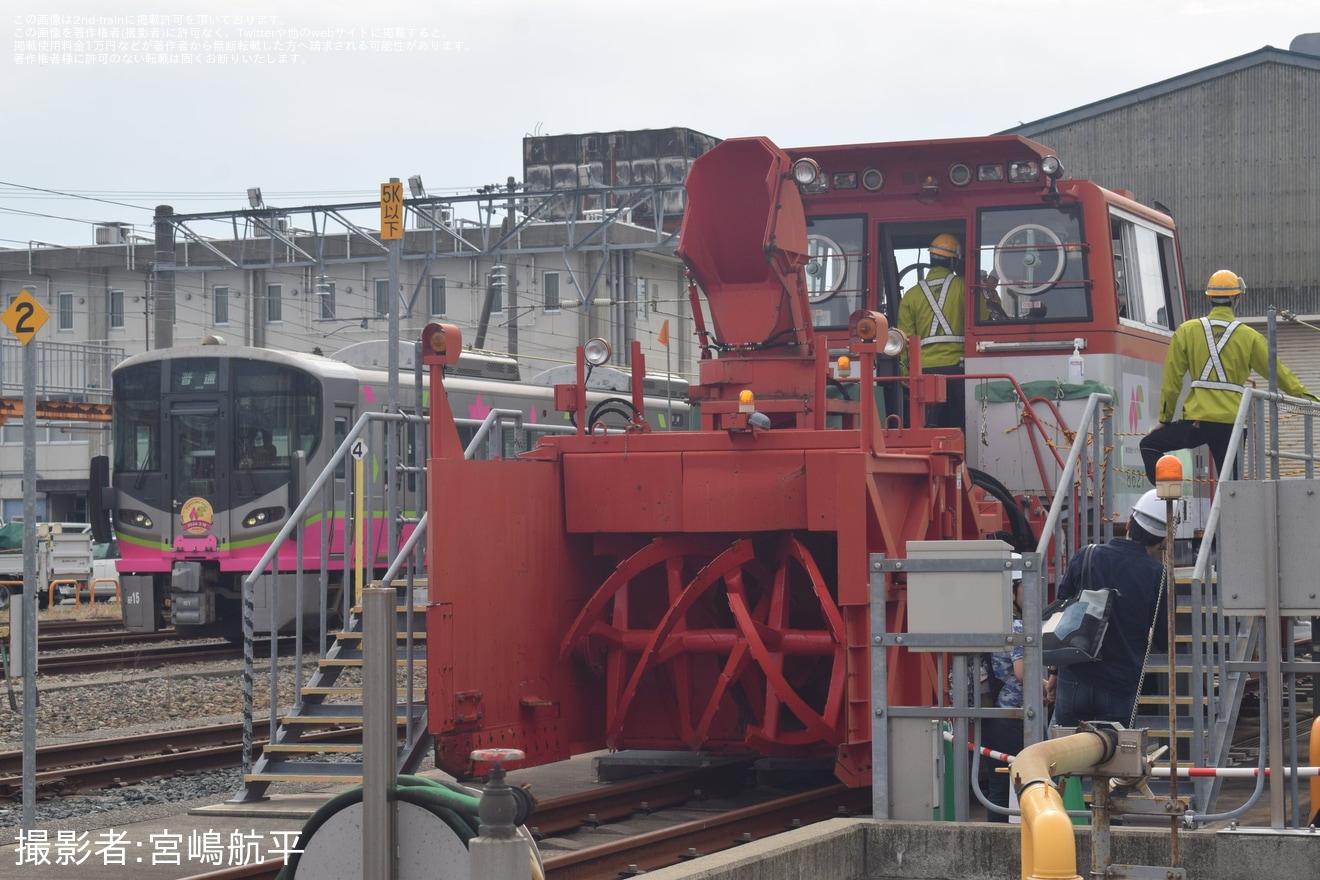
(1232, 151)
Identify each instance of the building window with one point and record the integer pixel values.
(220, 305)
(382, 296)
(65, 309)
(117, 309)
(325, 293)
(437, 296)
(274, 303)
(643, 303)
(550, 291)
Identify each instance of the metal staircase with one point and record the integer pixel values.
(1221, 649)
(324, 704)
(327, 704)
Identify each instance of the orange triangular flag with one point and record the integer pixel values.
(663, 336)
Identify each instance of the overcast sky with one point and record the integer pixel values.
(120, 116)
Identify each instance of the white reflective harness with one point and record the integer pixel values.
(940, 329)
(1214, 376)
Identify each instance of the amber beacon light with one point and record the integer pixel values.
(1168, 477)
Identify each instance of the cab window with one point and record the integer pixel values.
(1145, 272)
(1031, 266)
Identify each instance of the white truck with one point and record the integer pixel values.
(64, 553)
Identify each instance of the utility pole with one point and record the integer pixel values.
(510, 283)
(162, 291)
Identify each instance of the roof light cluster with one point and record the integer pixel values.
(811, 178)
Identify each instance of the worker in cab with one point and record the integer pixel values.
(1219, 352)
(933, 312)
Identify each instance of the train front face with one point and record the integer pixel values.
(1047, 261)
(203, 453)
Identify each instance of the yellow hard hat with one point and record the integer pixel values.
(1225, 283)
(945, 245)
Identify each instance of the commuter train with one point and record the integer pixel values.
(205, 471)
(712, 590)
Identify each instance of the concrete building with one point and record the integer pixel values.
(524, 272)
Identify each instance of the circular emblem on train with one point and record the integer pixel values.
(197, 516)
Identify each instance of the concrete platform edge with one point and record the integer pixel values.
(851, 849)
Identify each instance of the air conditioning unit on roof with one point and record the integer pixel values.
(112, 233)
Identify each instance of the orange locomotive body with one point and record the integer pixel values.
(710, 589)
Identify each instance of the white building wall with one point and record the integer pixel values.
(112, 308)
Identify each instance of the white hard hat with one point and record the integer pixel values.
(1016, 573)
(1148, 513)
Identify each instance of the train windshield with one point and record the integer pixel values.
(1031, 265)
(835, 271)
(137, 419)
(277, 412)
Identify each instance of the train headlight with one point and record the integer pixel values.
(135, 518)
(1026, 171)
(596, 351)
(873, 179)
(1051, 167)
(960, 174)
(262, 517)
(805, 171)
(895, 343)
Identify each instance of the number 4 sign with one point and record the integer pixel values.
(25, 316)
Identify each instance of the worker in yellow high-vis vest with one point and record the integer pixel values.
(1219, 352)
(933, 311)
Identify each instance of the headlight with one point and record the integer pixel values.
(895, 343)
(263, 517)
(596, 351)
(1023, 172)
(805, 171)
(135, 518)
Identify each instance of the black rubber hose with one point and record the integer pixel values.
(1024, 540)
(456, 809)
(843, 389)
(607, 405)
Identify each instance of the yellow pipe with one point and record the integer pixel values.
(1315, 780)
(1049, 851)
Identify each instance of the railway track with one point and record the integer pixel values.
(93, 764)
(642, 835)
(145, 657)
(151, 652)
(96, 638)
(70, 625)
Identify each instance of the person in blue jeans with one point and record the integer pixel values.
(1005, 734)
(1106, 689)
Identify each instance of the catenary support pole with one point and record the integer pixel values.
(379, 826)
